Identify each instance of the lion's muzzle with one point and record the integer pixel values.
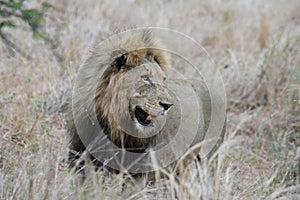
(148, 115)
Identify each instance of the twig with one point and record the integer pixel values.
(11, 45)
(9, 13)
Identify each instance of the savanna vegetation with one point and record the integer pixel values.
(255, 45)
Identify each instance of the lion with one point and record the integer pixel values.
(135, 104)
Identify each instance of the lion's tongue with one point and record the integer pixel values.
(149, 118)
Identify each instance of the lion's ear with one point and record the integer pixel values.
(120, 61)
(155, 59)
(161, 58)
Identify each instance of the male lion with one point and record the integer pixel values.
(124, 85)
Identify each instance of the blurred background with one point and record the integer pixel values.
(255, 45)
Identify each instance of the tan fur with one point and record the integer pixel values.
(142, 54)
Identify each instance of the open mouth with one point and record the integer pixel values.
(143, 117)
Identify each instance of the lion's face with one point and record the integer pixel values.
(150, 102)
(141, 99)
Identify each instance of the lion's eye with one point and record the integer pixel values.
(146, 79)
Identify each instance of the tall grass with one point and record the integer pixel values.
(256, 47)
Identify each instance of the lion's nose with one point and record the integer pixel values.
(166, 106)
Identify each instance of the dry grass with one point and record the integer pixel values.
(256, 46)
